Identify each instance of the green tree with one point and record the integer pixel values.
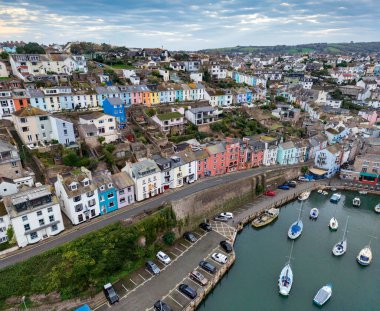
(30, 48)
(304, 169)
(4, 55)
(259, 189)
(169, 238)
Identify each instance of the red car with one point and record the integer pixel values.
(270, 193)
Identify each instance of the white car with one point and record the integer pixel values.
(301, 178)
(161, 256)
(218, 257)
(227, 215)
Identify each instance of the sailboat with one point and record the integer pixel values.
(341, 247)
(333, 223)
(285, 280)
(296, 228)
(365, 255)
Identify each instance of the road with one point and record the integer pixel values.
(123, 214)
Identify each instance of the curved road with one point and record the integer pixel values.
(122, 214)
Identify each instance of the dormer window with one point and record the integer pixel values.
(86, 182)
(102, 188)
(73, 186)
(110, 185)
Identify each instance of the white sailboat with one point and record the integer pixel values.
(365, 255)
(341, 247)
(285, 281)
(314, 213)
(296, 227)
(333, 224)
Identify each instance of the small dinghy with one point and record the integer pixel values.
(335, 198)
(333, 224)
(365, 256)
(314, 213)
(323, 295)
(325, 193)
(320, 191)
(304, 196)
(356, 202)
(341, 247)
(363, 192)
(377, 208)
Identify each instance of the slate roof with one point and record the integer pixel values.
(30, 111)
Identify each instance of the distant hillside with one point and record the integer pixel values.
(331, 48)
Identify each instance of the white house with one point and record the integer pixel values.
(196, 76)
(306, 83)
(201, 115)
(147, 178)
(7, 187)
(78, 196)
(3, 70)
(329, 159)
(270, 153)
(34, 215)
(334, 103)
(4, 223)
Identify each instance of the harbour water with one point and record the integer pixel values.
(251, 284)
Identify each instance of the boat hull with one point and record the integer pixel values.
(285, 280)
(294, 232)
(323, 295)
(340, 248)
(333, 224)
(265, 219)
(365, 257)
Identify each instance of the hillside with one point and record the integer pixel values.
(330, 48)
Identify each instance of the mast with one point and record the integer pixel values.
(291, 251)
(345, 229)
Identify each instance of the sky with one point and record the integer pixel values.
(190, 24)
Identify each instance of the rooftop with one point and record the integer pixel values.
(169, 115)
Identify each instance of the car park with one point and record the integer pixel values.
(228, 215)
(188, 291)
(152, 267)
(110, 293)
(190, 237)
(270, 193)
(226, 246)
(219, 257)
(161, 256)
(161, 306)
(220, 218)
(283, 187)
(205, 265)
(198, 277)
(205, 226)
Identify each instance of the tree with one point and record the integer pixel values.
(169, 238)
(206, 76)
(4, 55)
(30, 48)
(304, 169)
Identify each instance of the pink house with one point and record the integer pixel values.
(251, 153)
(125, 188)
(232, 154)
(370, 115)
(216, 160)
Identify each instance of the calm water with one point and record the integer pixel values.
(251, 284)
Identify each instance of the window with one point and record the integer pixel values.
(110, 195)
(41, 222)
(50, 209)
(65, 132)
(23, 120)
(122, 200)
(39, 213)
(25, 129)
(77, 198)
(111, 204)
(101, 198)
(27, 227)
(42, 126)
(24, 218)
(78, 208)
(90, 194)
(101, 188)
(91, 202)
(33, 235)
(51, 218)
(121, 192)
(54, 228)
(92, 213)
(110, 185)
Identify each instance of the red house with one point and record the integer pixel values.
(232, 154)
(216, 159)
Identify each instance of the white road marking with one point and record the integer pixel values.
(175, 301)
(183, 245)
(148, 271)
(182, 294)
(124, 287)
(141, 276)
(178, 249)
(133, 282)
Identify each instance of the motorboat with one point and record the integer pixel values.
(320, 191)
(363, 192)
(285, 281)
(325, 193)
(333, 224)
(377, 208)
(314, 213)
(356, 202)
(333, 189)
(323, 295)
(341, 247)
(304, 196)
(295, 229)
(266, 218)
(335, 198)
(365, 256)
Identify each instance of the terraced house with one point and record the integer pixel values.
(107, 193)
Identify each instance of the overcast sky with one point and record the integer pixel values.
(190, 24)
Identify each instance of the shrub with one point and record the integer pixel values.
(169, 238)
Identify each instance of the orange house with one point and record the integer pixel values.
(20, 99)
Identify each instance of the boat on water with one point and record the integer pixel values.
(377, 208)
(365, 256)
(320, 191)
(325, 193)
(266, 218)
(333, 189)
(296, 227)
(333, 224)
(356, 202)
(323, 295)
(314, 213)
(304, 196)
(335, 198)
(363, 192)
(341, 247)
(285, 281)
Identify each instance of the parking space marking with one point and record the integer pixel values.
(195, 283)
(175, 301)
(197, 234)
(133, 282)
(126, 289)
(141, 277)
(182, 293)
(178, 249)
(183, 245)
(173, 254)
(148, 271)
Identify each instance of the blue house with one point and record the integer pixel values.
(116, 108)
(106, 191)
(287, 153)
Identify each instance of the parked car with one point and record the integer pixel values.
(226, 246)
(188, 291)
(190, 237)
(270, 193)
(220, 218)
(161, 306)
(291, 184)
(205, 226)
(205, 265)
(110, 293)
(302, 178)
(161, 256)
(228, 215)
(283, 187)
(198, 277)
(152, 267)
(219, 257)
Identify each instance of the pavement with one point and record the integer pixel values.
(140, 290)
(125, 213)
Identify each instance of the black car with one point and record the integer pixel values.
(190, 237)
(188, 291)
(152, 267)
(205, 265)
(226, 246)
(161, 306)
(220, 218)
(110, 293)
(205, 226)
